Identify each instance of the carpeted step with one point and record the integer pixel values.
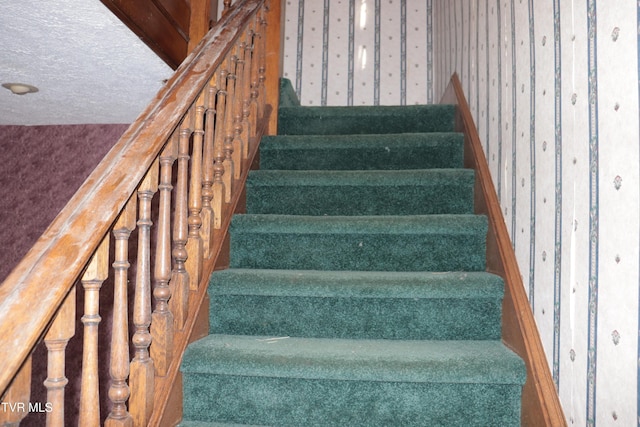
(376, 243)
(381, 119)
(350, 304)
(327, 382)
(415, 192)
(362, 152)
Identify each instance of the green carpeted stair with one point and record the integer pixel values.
(357, 294)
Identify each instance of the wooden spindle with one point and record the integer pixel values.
(229, 165)
(119, 368)
(162, 321)
(219, 186)
(239, 144)
(94, 276)
(15, 401)
(246, 90)
(194, 241)
(227, 5)
(61, 331)
(255, 85)
(262, 64)
(179, 283)
(206, 231)
(141, 380)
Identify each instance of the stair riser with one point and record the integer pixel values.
(366, 157)
(452, 198)
(388, 318)
(365, 120)
(374, 252)
(301, 402)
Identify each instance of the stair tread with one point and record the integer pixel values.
(465, 362)
(412, 177)
(451, 224)
(360, 284)
(386, 142)
(362, 152)
(366, 119)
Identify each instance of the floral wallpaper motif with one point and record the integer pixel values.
(553, 87)
(359, 52)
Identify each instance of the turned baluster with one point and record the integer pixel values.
(255, 85)
(94, 276)
(14, 404)
(119, 368)
(141, 380)
(59, 334)
(162, 321)
(227, 5)
(194, 241)
(262, 65)
(206, 231)
(229, 98)
(219, 185)
(179, 283)
(246, 92)
(239, 145)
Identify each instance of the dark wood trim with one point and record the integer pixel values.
(203, 15)
(162, 24)
(274, 57)
(540, 401)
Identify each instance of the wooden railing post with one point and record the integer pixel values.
(96, 273)
(194, 241)
(61, 331)
(141, 379)
(222, 177)
(179, 284)
(206, 231)
(162, 321)
(119, 369)
(230, 166)
(239, 144)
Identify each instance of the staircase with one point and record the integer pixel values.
(357, 294)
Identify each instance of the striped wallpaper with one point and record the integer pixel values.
(359, 52)
(554, 89)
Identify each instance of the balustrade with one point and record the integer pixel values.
(161, 201)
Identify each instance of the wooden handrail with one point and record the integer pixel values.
(33, 294)
(540, 402)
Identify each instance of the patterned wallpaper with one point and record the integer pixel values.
(553, 87)
(359, 52)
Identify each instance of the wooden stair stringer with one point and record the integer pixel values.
(540, 401)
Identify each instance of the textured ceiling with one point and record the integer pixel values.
(88, 66)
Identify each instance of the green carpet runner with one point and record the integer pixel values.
(357, 294)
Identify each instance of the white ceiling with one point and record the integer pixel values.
(88, 66)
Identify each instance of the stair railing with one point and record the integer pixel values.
(540, 401)
(167, 189)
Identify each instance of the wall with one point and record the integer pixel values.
(355, 52)
(553, 88)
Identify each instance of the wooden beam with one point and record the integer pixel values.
(162, 24)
